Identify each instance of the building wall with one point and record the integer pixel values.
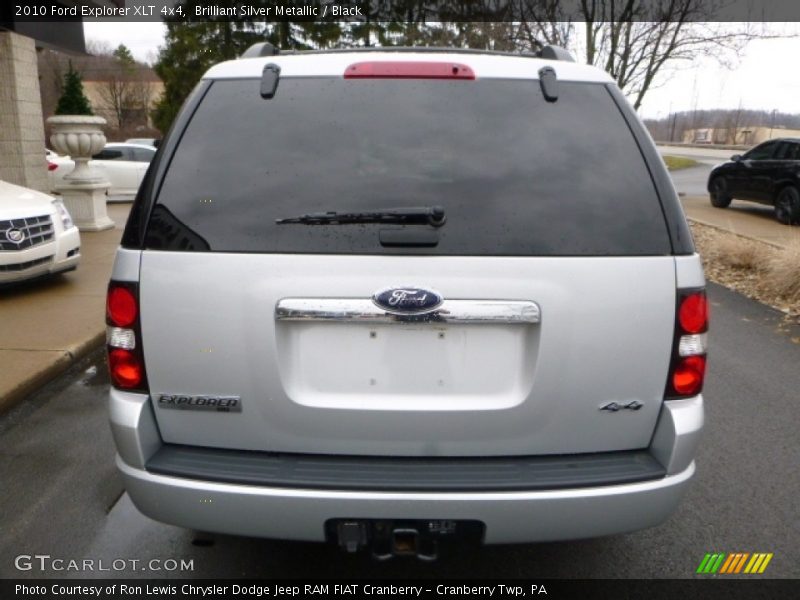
(756, 135)
(95, 94)
(744, 136)
(21, 129)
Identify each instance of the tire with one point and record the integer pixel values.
(787, 206)
(719, 193)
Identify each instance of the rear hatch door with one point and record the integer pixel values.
(554, 268)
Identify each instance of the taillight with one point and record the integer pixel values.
(125, 358)
(127, 371)
(51, 166)
(687, 378)
(693, 312)
(690, 344)
(121, 306)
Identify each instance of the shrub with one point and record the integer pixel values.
(739, 253)
(783, 272)
(73, 101)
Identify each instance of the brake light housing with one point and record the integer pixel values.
(391, 69)
(123, 337)
(690, 345)
(121, 306)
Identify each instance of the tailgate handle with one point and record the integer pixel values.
(503, 312)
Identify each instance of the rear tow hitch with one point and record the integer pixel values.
(386, 539)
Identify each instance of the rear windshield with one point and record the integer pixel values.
(515, 174)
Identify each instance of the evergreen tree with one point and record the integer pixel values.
(192, 46)
(124, 56)
(72, 100)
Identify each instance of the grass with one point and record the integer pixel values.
(783, 273)
(768, 274)
(675, 163)
(738, 253)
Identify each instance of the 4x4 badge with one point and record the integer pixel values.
(407, 300)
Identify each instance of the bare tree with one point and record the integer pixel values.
(99, 47)
(124, 90)
(543, 22)
(115, 94)
(633, 40)
(733, 123)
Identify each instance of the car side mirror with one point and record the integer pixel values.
(736, 157)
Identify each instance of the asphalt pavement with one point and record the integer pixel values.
(61, 495)
(691, 181)
(706, 155)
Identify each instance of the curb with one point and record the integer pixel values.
(45, 375)
(704, 146)
(741, 235)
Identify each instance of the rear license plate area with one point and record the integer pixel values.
(386, 538)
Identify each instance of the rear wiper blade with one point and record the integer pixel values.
(419, 215)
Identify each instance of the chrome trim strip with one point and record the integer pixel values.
(451, 311)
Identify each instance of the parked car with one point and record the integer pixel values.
(768, 174)
(124, 165)
(154, 142)
(37, 235)
(51, 158)
(406, 296)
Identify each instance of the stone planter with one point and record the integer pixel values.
(84, 188)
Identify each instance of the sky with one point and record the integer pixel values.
(764, 75)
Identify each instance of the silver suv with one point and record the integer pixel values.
(391, 298)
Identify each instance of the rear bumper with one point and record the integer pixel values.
(300, 513)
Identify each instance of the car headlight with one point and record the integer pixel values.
(66, 219)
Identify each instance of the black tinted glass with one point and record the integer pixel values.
(142, 154)
(788, 151)
(109, 154)
(762, 152)
(515, 174)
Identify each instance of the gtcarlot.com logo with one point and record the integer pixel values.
(736, 563)
(45, 562)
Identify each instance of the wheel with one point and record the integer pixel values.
(787, 206)
(719, 193)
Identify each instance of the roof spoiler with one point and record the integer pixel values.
(260, 49)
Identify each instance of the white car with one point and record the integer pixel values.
(124, 165)
(144, 141)
(37, 235)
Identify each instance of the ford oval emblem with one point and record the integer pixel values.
(407, 300)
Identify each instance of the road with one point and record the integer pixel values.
(692, 181)
(61, 495)
(710, 156)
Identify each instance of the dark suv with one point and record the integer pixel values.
(769, 174)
